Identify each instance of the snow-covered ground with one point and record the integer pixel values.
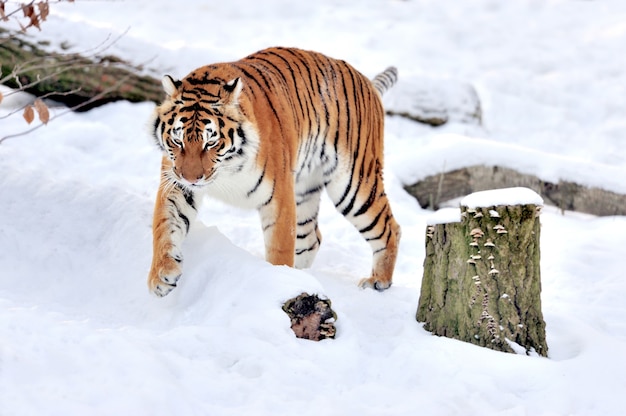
(81, 335)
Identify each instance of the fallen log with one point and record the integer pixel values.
(72, 79)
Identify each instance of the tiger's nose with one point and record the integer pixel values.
(190, 177)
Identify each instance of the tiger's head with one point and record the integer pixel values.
(199, 127)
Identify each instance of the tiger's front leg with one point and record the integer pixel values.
(173, 213)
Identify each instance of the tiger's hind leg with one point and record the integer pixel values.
(308, 236)
(364, 203)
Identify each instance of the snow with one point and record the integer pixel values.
(485, 199)
(80, 334)
(449, 151)
(444, 216)
(506, 196)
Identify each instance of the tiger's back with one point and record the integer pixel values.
(290, 123)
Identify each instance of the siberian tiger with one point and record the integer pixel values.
(270, 132)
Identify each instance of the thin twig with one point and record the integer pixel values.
(73, 61)
(18, 110)
(69, 110)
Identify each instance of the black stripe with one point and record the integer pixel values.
(307, 221)
(180, 214)
(305, 196)
(205, 80)
(294, 79)
(161, 127)
(185, 220)
(264, 90)
(372, 196)
(385, 246)
(304, 250)
(382, 233)
(271, 196)
(323, 67)
(279, 72)
(257, 185)
(303, 236)
(241, 134)
(348, 121)
(187, 194)
(350, 205)
(300, 62)
(373, 223)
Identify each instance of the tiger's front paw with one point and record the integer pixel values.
(163, 276)
(375, 283)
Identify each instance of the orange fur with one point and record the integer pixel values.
(269, 132)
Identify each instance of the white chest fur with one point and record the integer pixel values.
(238, 179)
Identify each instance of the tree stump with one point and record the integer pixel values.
(311, 317)
(482, 280)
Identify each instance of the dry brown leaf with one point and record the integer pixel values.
(3, 15)
(44, 10)
(29, 114)
(1, 97)
(42, 111)
(28, 9)
(34, 20)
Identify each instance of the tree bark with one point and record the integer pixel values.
(482, 280)
(436, 189)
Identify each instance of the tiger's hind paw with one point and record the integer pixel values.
(375, 283)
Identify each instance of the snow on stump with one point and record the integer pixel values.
(311, 317)
(482, 281)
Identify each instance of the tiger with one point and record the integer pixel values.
(270, 132)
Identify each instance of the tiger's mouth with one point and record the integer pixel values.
(199, 184)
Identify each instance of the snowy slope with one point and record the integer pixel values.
(80, 334)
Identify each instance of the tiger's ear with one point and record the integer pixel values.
(170, 86)
(232, 90)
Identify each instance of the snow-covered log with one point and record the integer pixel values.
(433, 190)
(433, 101)
(482, 281)
(78, 81)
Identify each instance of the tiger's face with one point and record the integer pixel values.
(199, 130)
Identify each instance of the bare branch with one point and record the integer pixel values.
(21, 109)
(77, 60)
(69, 110)
(33, 13)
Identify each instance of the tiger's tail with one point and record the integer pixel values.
(385, 80)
